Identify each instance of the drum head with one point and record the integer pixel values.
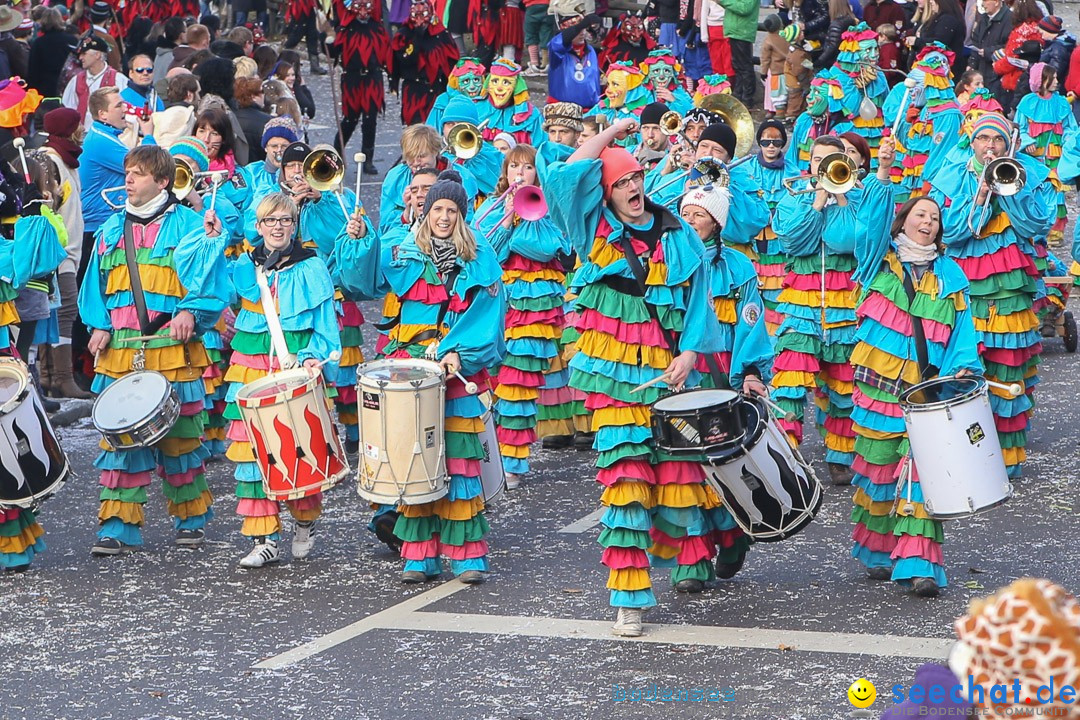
(942, 392)
(277, 383)
(130, 399)
(695, 399)
(399, 371)
(13, 379)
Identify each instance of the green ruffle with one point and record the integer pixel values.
(259, 344)
(515, 422)
(664, 526)
(459, 532)
(701, 570)
(23, 520)
(540, 304)
(881, 452)
(554, 412)
(250, 490)
(1013, 439)
(627, 450)
(612, 388)
(941, 309)
(811, 264)
(625, 538)
(626, 308)
(881, 524)
(351, 337)
(797, 342)
(189, 426)
(1003, 285)
(1005, 373)
(837, 353)
(466, 446)
(418, 529)
(876, 393)
(916, 526)
(143, 256)
(1005, 305)
(185, 493)
(129, 495)
(526, 364)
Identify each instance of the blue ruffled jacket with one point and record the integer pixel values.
(732, 274)
(802, 229)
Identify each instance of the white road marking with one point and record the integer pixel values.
(384, 618)
(583, 524)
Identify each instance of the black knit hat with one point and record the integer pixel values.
(775, 125)
(651, 114)
(447, 187)
(722, 134)
(297, 152)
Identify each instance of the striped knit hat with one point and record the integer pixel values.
(995, 122)
(193, 148)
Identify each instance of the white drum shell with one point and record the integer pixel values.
(402, 433)
(136, 410)
(25, 432)
(492, 475)
(958, 456)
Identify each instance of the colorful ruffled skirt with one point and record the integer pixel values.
(214, 377)
(350, 319)
(770, 264)
(580, 418)
(20, 537)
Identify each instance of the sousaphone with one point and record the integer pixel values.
(735, 114)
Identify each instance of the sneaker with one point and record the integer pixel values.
(689, 585)
(190, 538)
(840, 474)
(534, 71)
(628, 623)
(108, 546)
(413, 577)
(557, 442)
(471, 577)
(263, 551)
(925, 587)
(513, 481)
(726, 571)
(384, 530)
(879, 573)
(303, 539)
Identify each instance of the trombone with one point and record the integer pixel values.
(706, 171)
(464, 140)
(836, 175)
(1003, 176)
(105, 193)
(671, 123)
(184, 179)
(323, 170)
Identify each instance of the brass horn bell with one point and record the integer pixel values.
(464, 140)
(323, 169)
(735, 114)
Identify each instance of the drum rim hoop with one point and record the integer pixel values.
(438, 376)
(23, 372)
(162, 402)
(906, 404)
(244, 394)
(732, 402)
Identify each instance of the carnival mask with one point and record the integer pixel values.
(817, 100)
(616, 89)
(869, 51)
(420, 13)
(471, 84)
(632, 29)
(362, 9)
(661, 75)
(501, 89)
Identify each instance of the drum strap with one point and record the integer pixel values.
(273, 322)
(136, 280)
(926, 370)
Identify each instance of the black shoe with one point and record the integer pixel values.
(190, 538)
(370, 169)
(50, 406)
(879, 573)
(726, 571)
(925, 587)
(840, 474)
(689, 585)
(584, 441)
(18, 568)
(108, 546)
(352, 446)
(471, 577)
(413, 577)
(557, 442)
(384, 530)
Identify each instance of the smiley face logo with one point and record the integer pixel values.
(862, 693)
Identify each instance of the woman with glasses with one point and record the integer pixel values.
(645, 315)
(300, 284)
(441, 270)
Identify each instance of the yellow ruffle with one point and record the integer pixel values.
(664, 552)
(1014, 455)
(626, 492)
(533, 331)
(465, 425)
(657, 274)
(874, 434)
(629, 579)
(841, 387)
(260, 526)
(583, 423)
(605, 347)
(812, 298)
(458, 509)
(725, 310)
(881, 362)
(175, 447)
(351, 356)
(712, 500)
(391, 305)
(404, 334)
(8, 314)
(604, 253)
(635, 415)
(679, 496)
(997, 224)
(554, 428)
(885, 507)
(215, 433)
(131, 513)
(305, 515)
(516, 393)
(243, 374)
(821, 401)
(1074, 269)
(557, 364)
(839, 443)
(793, 378)
(255, 307)
(417, 511)
(510, 276)
(18, 543)
(178, 363)
(514, 451)
(348, 418)
(240, 451)
(192, 508)
(1018, 322)
(155, 279)
(771, 282)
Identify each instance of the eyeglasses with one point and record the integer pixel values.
(276, 221)
(143, 70)
(637, 177)
(771, 142)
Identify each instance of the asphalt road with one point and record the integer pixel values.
(173, 633)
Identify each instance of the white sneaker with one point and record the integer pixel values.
(628, 623)
(513, 482)
(303, 539)
(534, 71)
(261, 553)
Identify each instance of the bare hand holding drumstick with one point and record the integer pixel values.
(752, 385)
(680, 368)
(99, 340)
(182, 326)
(211, 224)
(451, 363)
(356, 227)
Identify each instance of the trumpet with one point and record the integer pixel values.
(836, 175)
(105, 193)
(1003, 176)
(464, 140)
(513, 186)
(671, 123)
(529, 204)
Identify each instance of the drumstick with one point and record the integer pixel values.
(657, 379)
(214, 181)
(470, 386)
(359, 158)
(786, 414)
(20, 144)
(1015, 389)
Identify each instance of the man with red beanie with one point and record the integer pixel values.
(643, 297)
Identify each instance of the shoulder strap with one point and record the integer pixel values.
(273, 322)
(135, 278)
(926, 371)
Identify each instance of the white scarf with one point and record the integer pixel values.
(148, 209)
(911, 252)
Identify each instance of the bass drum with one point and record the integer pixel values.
(33, 466)
(770, 491)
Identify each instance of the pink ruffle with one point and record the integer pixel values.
(723, 360)
(425, 294)
(558, 396)
(877, 474)
(878, 406)
(839, 426)
(517, 438)
(521, 318)
(458, 304)
(346, 394)
(773, 270)
(119, 479)
(236, 431)
(468, 551)
(917, 546)
(793, 428)
(619, 558)
(456, 389)
(513, 376)
(420, 550)
(726, 538)
(1015, 423)
(872, 540)
(380, 343)
(212, 371)
(629, 333)
(1011, 358)
(879, 308)
(463, 466)
(834, 280)
(185, 478)
(308, 502)
(693, 549)
(351, 316)
(678, 472)
(192, 408)
(255, 362)
(524, 264)
(772, 317)
(1004, 260)
(126, 318)
(793, 361)
(596, 401)
(254, 507)
(637, 470)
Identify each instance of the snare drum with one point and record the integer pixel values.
(292, 434)
(955, 447)
(771, 492)
(402, 405)
(136, 410)
(32, 464)
(697, 421)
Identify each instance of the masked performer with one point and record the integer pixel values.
(466, 79)
(422, 55)
(508, 108)
(361, 43)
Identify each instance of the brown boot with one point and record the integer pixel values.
(44, 366)
(63, 383)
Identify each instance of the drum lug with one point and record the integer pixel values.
(22, 447)
(948, 413)
(971, 505)
(138, 361)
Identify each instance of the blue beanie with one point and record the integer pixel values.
(460, 109)
(280, 127)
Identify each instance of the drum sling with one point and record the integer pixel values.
(926, 370)
(273, 323)
(145, 326)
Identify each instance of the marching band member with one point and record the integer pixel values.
(262, 176)
(990, 237)
(823, 116)
(485, 164)
(745, 360)
(185, 279)
(301, 286)
(768, 171)
(817, 304)
(452, 306)
(694, 123)
(530, 252)
(655, 145)
(215, 129)
(624, 98)
(643, 295)
(508, 108)
(915, 324)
